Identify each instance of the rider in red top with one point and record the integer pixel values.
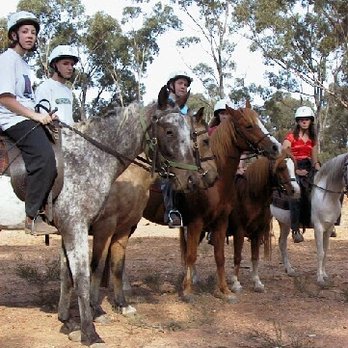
(302, 142)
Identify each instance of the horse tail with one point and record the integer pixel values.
(183, 245)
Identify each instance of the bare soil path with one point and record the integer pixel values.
(293, 312)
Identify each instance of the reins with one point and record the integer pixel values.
(344, 191)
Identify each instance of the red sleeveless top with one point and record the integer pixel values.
(299, 148)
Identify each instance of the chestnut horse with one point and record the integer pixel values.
(251, 216)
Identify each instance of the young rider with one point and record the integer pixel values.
(220, 113)
(302, 141)
(21, 123)
(55, 92)
(177, 84)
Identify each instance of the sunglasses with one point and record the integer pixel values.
(305, 119)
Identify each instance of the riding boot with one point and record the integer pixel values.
(295, 207)
(38, 227)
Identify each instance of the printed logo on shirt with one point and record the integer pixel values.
(63, 101)
(28, 92)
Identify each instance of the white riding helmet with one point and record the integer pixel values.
(304, 111)
(61, 52)
(15, 20)
(221, 105)
(179, 74)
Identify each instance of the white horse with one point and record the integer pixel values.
(327, 188)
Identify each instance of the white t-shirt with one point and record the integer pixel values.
(15, 77)
(59, 95)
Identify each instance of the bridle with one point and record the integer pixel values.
(277, 184)
(345, 178)
(194, 137)
(159, 163)
(253, 146)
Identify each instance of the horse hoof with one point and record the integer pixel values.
(75, 336)
(259, 289)
(128, 311)
(291, 272)
(232, 299)
(237, 288)
(189, 298)
(103, 319)
(98, 345)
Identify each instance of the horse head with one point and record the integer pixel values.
(204, 156)
(283, 176)
(174, 154)
(251, 133)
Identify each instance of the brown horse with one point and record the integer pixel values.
(251, 216)
(124, 209)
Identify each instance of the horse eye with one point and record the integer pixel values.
(206, 142)
(249, 126)
(170, 133)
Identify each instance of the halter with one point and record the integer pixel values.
(194, 136)
(275, 182)
(159, 162)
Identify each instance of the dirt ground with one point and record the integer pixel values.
(293, 312)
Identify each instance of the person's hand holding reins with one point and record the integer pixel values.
(43, 118)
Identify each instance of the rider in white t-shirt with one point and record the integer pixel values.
(55, 92)
(20, 122)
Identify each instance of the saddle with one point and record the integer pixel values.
(12, 164)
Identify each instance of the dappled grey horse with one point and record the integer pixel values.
(89, 172)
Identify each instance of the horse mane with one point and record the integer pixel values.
(332, 169)
(257, 174)
(257, 177)
(121, 114)
(223, 141)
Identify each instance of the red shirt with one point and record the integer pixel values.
(299, 148)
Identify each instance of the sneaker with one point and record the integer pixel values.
(38, 227)
(174, 219)
(297, 236)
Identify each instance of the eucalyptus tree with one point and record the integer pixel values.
(307, 40)
(143, 30)
(213, 21)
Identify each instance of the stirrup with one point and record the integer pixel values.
(175, 220)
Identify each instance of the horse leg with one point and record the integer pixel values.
(255, 257)
(283, 239)
(76, 247)
(322, 242)
(189, 241)
(101, 243)
(219, 236)
(238, 242)
(66, 287)
(118, 253)
(327, 235)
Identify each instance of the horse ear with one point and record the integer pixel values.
(199, 114)
(162, 100)
(247, 104)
